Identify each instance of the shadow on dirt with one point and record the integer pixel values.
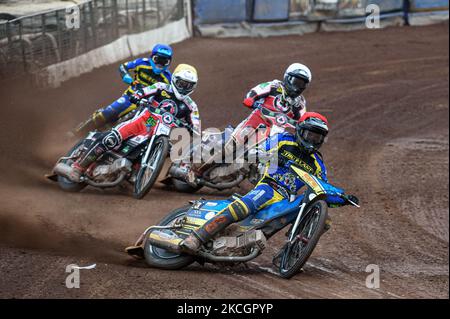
(42, 234)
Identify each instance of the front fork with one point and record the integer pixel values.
(147, 152)
(309, 196)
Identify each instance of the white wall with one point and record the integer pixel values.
(123, 48)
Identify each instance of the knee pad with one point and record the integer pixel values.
(98, 118)
(111, 140)
(239, 210)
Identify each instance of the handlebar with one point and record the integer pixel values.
(347, 198)
(331, 190)
(267, 112)
(144, 103)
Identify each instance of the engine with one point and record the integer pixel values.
(240, 244)
(108, 172)
(232, 170)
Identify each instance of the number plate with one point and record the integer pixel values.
(163, 130)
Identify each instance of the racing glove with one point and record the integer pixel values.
(127, 79)
(248, 102)
(134, 98)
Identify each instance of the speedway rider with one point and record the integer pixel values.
(278, 183)
(173, 97)
(285, 96)
(147, 71)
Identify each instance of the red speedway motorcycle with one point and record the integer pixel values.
(263, 123)
(138, 160)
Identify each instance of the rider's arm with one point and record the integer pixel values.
(332, 200)
(167, 75)
(126, 67)
(150, 90)
(124, 71)
(274, 143)
(194, 115)
(302, 106)
(259, 91)
(145, 92)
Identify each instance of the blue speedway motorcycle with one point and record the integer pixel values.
(241, 242)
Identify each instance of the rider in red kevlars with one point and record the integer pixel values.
(283, 96)
(174, 97)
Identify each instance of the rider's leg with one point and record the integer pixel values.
(106, 115)
(121, 132)
(261, 196)
(104, 142)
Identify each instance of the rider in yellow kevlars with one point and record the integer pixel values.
(147, 71)
(278, 183)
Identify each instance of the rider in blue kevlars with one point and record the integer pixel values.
(278, 183)
(147, 71)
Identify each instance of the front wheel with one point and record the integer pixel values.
(149, 172)
(161, 258)
(294, 255)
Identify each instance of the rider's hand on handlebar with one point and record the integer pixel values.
(127, 79)
(248, 102)
(134, 98)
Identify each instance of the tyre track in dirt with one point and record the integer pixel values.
(386, 95)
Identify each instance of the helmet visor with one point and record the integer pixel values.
(184, 87)
(161, 60)
(312, 137)
(296, 85)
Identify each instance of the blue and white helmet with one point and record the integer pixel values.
(161, 58)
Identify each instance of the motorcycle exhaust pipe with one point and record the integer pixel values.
(177, 172)
(166, 241)
(172, 243)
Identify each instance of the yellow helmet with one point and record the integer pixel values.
(184, 80)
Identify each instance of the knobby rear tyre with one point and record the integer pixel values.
(160, 258)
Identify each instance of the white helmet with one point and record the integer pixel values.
(296, 79)
(184, 80)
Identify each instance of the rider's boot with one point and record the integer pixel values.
(193, 242)
(95, 122)
(234, 212)
(77, 168)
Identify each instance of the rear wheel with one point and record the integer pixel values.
(65, 183)
(148, 173)
(294, 255)
(161, 258)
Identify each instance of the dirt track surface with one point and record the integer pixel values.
(386, 96)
